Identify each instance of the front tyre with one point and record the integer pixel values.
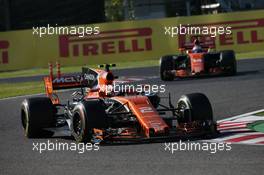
(88, 115)
(80, 131)
(196, 107)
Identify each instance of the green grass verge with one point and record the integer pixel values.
(17, 89)
(134, 64)
(257, 126)
(260, 114)
(42, 71)
(248, 55)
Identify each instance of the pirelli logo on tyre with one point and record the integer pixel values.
(243, 32)
(107, 42)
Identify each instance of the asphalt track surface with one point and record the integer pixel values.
(229, 96)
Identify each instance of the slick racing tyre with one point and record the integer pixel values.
(36, 115)
(196, 107)
(228, 61)
(211, 60)
(88, 115)
(166, 65)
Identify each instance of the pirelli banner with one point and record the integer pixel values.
(126, 41)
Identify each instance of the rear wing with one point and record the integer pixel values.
(59, 81)
(206, 42)
(89, 78)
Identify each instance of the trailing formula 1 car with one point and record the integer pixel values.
(94, 114)
(201, 63)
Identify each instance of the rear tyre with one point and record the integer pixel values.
(211, 60)
(36, 115)
(196, 107)
(87, 116)
(228, 61)
(166, 65)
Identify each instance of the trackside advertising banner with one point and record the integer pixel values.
(127, 41)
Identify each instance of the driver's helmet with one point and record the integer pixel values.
(197, 47)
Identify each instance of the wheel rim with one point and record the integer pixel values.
(77, 124)
(182, 106)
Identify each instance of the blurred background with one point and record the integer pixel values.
(24, 57)
(24, 14)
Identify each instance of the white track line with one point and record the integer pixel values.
(254, 141)
(223, 139)
(31, 95)
(239, 116)
(234, 130)
(25, 96)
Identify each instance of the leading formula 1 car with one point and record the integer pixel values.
(95, 115)
(190, 64)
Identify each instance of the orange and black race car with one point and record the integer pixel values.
(95, 114)
(198, 61)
